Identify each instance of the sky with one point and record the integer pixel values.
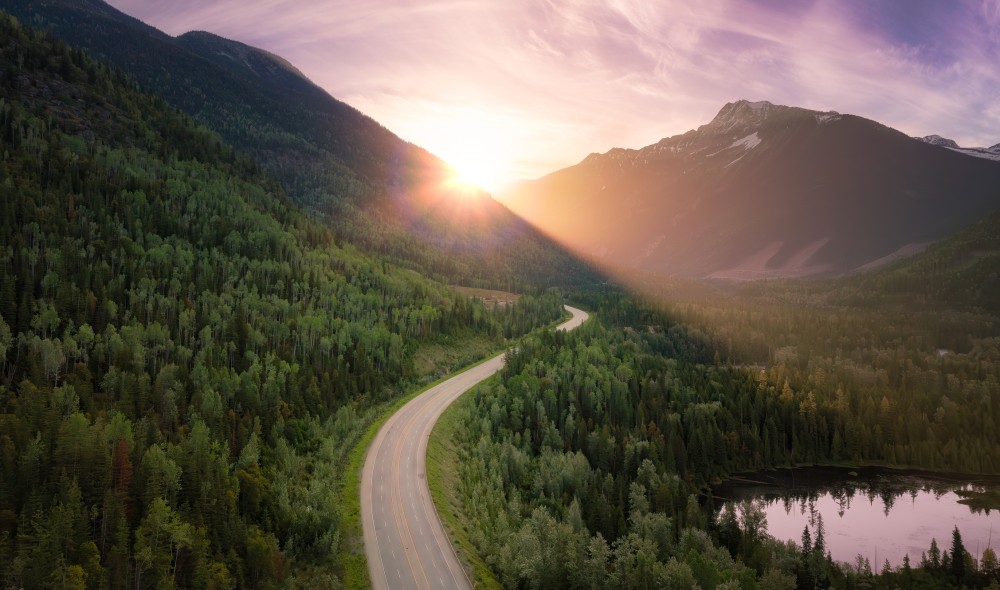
(513, 89)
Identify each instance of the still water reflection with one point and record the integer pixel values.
(879, 514)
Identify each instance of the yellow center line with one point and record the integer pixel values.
(396, 500)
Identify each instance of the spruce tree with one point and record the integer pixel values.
(957, 569)
(934, 556)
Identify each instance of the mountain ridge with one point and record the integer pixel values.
(279, 69)
(378, 191)
(763, 190)
(990, 153)
(186, 357)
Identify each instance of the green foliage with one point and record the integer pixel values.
(579, 463)
(599, 437)
(185, 357)
(958, 557)
(893, 377)
(375, 190)
(961, 272)
(445, 484)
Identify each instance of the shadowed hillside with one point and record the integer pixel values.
(375, 190)
(763, 191)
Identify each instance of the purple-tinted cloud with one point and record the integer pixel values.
(540, 83)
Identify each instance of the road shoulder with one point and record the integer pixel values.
(443, 461)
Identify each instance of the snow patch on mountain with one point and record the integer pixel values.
(734, 161)
(749, 142)
(938, 140)
(830, 117)
(986, 154)
(990, 153)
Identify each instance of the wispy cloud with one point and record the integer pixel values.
(551, 80)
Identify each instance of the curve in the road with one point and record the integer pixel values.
(405, 543)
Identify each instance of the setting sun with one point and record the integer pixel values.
(477, 143)
(475, 170)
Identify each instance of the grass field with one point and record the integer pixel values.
(489, 297)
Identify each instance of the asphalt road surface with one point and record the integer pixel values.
(405, 543)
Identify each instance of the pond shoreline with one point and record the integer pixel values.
(831, 474)
(872, 511)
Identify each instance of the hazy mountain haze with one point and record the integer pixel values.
(764, 191)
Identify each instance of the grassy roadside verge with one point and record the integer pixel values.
(351, 560)
(443, 480)
(351, 557)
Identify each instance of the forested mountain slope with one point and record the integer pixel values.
(763, 191)
(960, 272)
(585, 465)
(376, 190)
(906, 357)
(184, 355)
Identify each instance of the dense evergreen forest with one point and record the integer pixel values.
(585, 464)
(185, 357)
(903, 364)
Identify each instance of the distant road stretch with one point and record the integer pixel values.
(404, 541)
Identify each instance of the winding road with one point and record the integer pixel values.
(405, 543)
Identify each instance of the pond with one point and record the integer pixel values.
(876, 513)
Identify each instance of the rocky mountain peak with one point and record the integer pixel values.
(938, 140)
(742, 113)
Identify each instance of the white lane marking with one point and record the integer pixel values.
(441, 399)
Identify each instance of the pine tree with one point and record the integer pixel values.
(906, 570)
(820, 545)
(934, 556)
(957, 569)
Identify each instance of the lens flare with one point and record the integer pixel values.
(474, 171)
(478, 146)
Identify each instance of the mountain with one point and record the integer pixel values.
(990, 153)
(388, 196)
(938, 140)
(961, 272)
(186, 357)
(763, 190)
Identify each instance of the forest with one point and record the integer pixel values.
(904, 362)
(586, 463)
(600, 444)
(185, 356)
